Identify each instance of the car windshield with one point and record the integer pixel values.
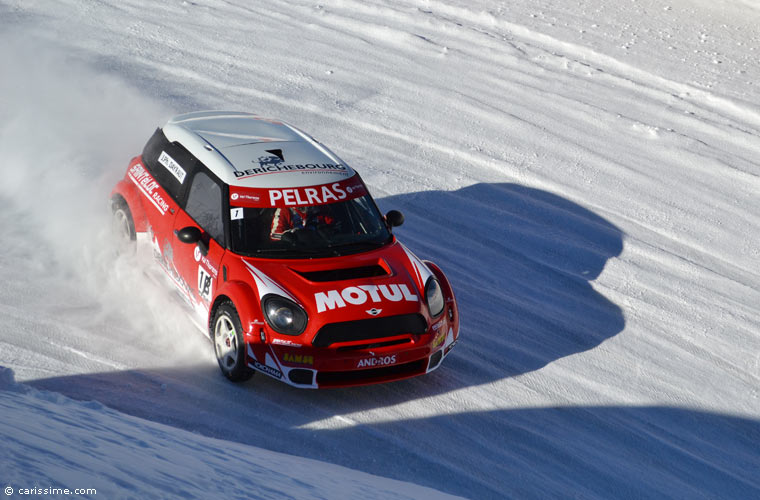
(341, 228)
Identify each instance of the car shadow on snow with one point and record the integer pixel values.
(568, 452)
(521, 261)
(582, 451)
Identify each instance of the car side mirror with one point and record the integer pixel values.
(189, 235)
(394, 218)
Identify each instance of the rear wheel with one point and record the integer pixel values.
(122, 224)
(229, 345)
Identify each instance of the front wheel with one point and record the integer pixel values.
(229, 345)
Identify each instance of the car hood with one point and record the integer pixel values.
(384, 282)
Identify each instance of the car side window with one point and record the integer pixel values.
(204, 205)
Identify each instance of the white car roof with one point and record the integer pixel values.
(247, 150)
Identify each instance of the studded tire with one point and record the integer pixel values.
(123, 225)
(229, 344)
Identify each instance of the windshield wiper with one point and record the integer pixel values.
(335, 249)
(369, 244)
(293, 252)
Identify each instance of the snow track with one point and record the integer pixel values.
(586, 176)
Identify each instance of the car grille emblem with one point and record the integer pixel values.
(374, 311)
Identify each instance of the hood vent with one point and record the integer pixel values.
(350, 273)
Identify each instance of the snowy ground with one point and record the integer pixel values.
(585, 172)
(54, 446)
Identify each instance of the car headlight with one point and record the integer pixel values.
(284, 315)
(434, 297)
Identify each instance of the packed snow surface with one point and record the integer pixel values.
(134, 458)
(586, 173)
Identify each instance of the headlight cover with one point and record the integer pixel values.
(434, 297)
(284, 315)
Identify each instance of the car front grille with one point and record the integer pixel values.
(370, 329)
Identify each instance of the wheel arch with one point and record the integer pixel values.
(243, 298)
(127, 193)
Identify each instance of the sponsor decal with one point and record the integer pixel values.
(288, 343)
(272, 372)
(199, 257)
(374, 311)
(351, 189)
(275, 152)
(236, 213)
(450, 347)
(378, 361)
(148, 185)
(204, 284)
(265, 161)
(320, 194)
(172, 166)
(439, 340)
(273, 165)
(298, 359)
(299, 197)
(437, 325)
(357, 295)
(245, 197)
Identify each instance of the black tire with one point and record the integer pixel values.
(123, 225)
(229, 345)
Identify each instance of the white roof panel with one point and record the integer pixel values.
(246, 150)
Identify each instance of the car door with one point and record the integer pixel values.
(198, 263)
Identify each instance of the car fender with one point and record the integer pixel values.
(245, 301)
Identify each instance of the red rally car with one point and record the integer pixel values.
(277, 246)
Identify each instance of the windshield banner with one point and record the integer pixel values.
(297, 196)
